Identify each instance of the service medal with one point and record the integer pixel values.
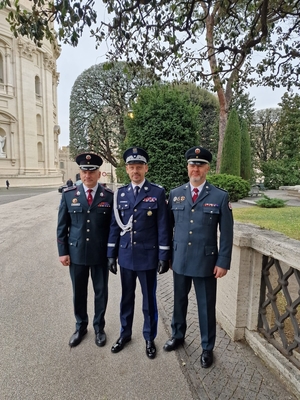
(182, 198)
(74, 201)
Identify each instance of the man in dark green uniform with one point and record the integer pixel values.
(82, 233)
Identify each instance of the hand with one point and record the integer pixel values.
(112, 265)
(163, 266)
(65, 260)
(219, 272)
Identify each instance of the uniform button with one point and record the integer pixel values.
(191, 221)
(134, 220)
(211, 212)
(190, 232)
(189, 243)
(87, 230)
(87, 239)
(193, 210)
(134, 231)
(88, 211)
(212, 252)
(135, 210)
(88, 220)
(134, 242)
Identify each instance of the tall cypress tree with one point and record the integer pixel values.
(245, 152)
(231, 155)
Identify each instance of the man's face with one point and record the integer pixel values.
(197, 173)
(136, 172)
(90, 178)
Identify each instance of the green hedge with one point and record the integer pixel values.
(236, 187)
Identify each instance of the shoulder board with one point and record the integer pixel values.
(223, 190)
(185, 186)
(156, 185)
(122, 187)
(107, 189)
(68, 189)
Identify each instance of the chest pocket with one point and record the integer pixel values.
(124, 205)
(210, 215)
(178, 212)
(75, 209)
(145, 205)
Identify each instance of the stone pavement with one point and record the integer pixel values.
(36, 321)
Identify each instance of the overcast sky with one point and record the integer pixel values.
(73, 61)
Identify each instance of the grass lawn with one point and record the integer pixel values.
(285, 220)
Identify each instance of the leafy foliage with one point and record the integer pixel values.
(236, 187)
(231, 159)
(267, 202)
(99, 102)
(281, 173)
(245, 152)
(215, 42)
(165, 124)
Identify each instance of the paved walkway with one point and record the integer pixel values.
(36, 321)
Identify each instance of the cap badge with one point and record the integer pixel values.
(197, 151)
(88, 157)
(134, 150)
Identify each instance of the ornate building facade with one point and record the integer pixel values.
(29, 129)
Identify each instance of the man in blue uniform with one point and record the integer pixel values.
(82, 232)
(197, 210)
(139, 237)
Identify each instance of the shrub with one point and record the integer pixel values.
(267, 202)
(236, 187)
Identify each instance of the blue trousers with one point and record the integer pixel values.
(148, 282)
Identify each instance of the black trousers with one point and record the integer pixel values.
(79, 276)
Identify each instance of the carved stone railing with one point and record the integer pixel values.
(259, 299)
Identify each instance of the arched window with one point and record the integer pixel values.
(39, 130)
(40, 152)
(37, 86)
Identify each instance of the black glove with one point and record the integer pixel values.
(112, 265)
(163, 266)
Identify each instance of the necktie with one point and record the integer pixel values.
(89, 197)
(195, 195)
(136, 191)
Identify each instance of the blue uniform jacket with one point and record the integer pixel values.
(148, 240)
(82, 230)
(195, 238)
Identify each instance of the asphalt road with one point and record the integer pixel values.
(19, 193)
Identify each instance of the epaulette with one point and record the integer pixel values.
(69, 188)
(156, 185)
(223, 190)
(107, 189)
(124, 186)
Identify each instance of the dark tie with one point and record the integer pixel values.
(136, 191)
(195, 195)
(89, 197)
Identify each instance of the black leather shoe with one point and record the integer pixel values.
(77, 336)
(120, 343)
(150, 349)
(100, 338)
(172, 344)
(206, 359)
